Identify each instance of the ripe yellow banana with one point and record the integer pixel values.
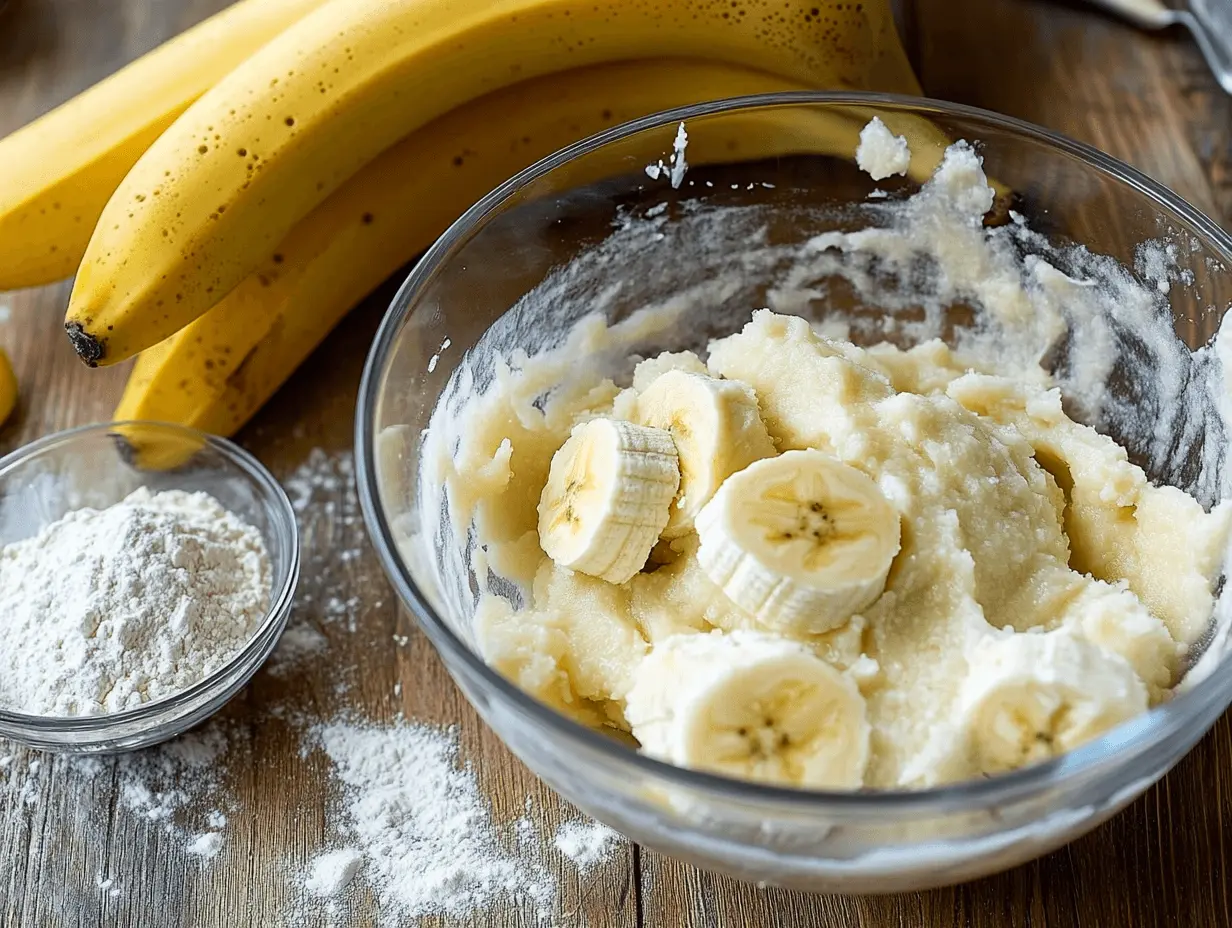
(57, 173)
(217, 371)
(216, 193)
(8, 387)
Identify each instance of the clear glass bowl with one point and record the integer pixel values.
(862, 842)
(99, 465)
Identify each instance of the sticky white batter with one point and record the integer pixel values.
(1043, 584)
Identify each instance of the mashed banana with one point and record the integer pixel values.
(1043, 590)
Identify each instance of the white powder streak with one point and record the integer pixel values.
(676, 165)
(205, 845)
(330, 873)
(587, 844)
(679, 164)
(423, 827)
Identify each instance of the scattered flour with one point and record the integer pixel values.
(158, 783)
(525, 834)
(206, 845)
(676, 165)
(679, 164)
(104, 610)
(298, 643)
(422, 825)
(330, 873)
(332, 537)
(587, 844)
(322, 475)
(163, 785)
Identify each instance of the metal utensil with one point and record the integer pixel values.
(1210, 21)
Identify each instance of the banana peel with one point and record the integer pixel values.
(216, 372)
(57, 173)
(211, 199)
(219, 370)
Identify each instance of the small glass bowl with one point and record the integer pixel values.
(871, 841)
(99, 465)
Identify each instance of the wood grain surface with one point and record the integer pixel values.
(1145, 98)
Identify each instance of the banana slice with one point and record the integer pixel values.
(751, 706)
(1031, 696)
(607, 498)
(717, 429)
(800, 541)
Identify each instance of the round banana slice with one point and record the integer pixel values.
(800, 541)
(752, 706)
(1031, 696)
(607, 498)
(717, 428)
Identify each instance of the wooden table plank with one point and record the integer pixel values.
(1147, 99)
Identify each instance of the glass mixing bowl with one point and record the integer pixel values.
(99, 465)
(784, 153)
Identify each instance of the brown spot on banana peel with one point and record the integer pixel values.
(91, 350)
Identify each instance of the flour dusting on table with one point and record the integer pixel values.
(423, 826)
(587, 844)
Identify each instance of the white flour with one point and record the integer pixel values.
(676, 167)
(107, 609)
(881, 153)
(298, 644)
(331, 872)
(160, 783)
(587, 844)
(422, 826)
(205, 845)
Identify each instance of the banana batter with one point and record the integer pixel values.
(799, 561)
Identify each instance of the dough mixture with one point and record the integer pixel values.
(794, 560)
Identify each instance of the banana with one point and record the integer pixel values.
(800, 541)
(1031, 696)
(57, 173)
(717, 430)
(607, 498)
(8, 387)
(751, 706)
(215, 194)
(217, 371)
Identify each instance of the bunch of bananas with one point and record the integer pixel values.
(227, 198)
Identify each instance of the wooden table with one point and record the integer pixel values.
(1147, 99)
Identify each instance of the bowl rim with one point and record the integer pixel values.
(1135, 736)
(280, 600)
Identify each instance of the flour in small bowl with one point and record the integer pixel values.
(104, 610)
